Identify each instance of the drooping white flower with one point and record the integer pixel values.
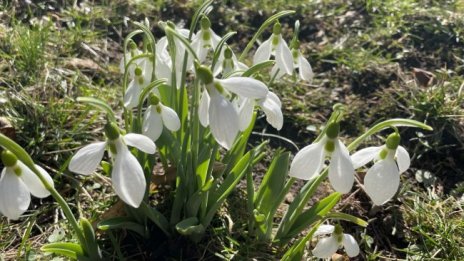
(132, 52)
(140, 80)
(228, 63)
(271, 106)
(127, 174)
(205, 39)
(308, 162)
(216, 109)
(383, 178)
(327, 246)
(305, 71)
(276, 46)
(156, 116)
(17, 183)
(165, 64)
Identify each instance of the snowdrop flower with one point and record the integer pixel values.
(228, 63)
(158, 115)
(276, 46)
(17, 183)
(127, 174)
(135, 87)
(205, 40)
(383, 178)
(271, 106)
(327, 246)
(305, 72)
(133, 51)
(309, 161)
(217, 111)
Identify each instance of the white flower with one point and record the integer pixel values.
(156, 116)
(276, 46)
(140, 80)
(132, 52)
(305, 72)
(309, 161)
(271, 106)
(327, 246)
(383, 178)
(217, 111)
(228, 63)
(165, 64)
(17, 183)
(204, 40)
(127, 174)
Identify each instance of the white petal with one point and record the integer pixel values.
(351, 246)
(382, 181)
(403, 159)
(33, 182)
(127, 176)
(272, 108)
(170, 118)
(141, 142)
(305, 70)
(131, 97)
(152, 123)
(284, 58)
(364, 156)
(223, 121)
(14, 195)
(246, 113)
(86, 160)
(323, 230)
(326, 247)
(308, 161)
(245, 86)
(276, 72)
(203, 109)
(263, 53)
(215, 39)
(341, 171)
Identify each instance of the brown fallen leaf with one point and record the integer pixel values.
(423, 78)
(6, 128)
(83, 64)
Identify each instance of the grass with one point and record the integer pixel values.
(364, 54)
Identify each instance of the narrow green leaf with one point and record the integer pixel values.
(70, 250)
(91, 248)
(157, 218)
(99, 104)
(122, 223)
(258, 67)
(313, 214)
(347, 217)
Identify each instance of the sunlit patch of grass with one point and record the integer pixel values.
(435, 226)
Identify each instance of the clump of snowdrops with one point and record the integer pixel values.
(190, 104)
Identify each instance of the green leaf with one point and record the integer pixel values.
(70, 250)
(122, 223)
(155, 216)
(99, 104)
(272, 184)
(258, 67)
(190, 226)
(347, 217)
(91, 247)
(313, 214)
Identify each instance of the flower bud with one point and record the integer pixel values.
(393, 140)
(8, 158)
(332, 130)
(111, 131)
